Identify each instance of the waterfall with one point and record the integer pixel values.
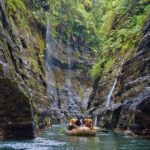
(66, 93)
(5, 68)
(95, 121)
(108, 97)
(50, 75)
(68, 78)
(71, 103)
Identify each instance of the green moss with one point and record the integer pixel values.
(18, 11)
(41, 46)
(32, 83)
(120, 31)
(109, 65)
(97, 68)
(15, 5)
(14, 96)
(47, 121)
(1, 68)
(34, 64)
(36, 119)
(80, 89)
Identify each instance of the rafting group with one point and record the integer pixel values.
(80, 126)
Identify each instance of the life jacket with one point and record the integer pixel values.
(78, 122)
(72, 121)
(89, 123)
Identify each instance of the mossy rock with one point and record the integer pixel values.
(14, 99)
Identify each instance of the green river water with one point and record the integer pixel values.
(53, 139)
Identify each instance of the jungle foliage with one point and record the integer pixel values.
(109, 28)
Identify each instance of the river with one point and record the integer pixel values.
(54, 139)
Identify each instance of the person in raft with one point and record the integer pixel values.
(72, 124)
(75, 122)
(79, 121)
(88, 123)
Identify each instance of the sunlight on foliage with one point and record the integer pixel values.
(15, 5)
(120, 29)
(108, 28)
(17, 10)
(96, 69)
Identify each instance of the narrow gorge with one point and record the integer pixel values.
(68, 83)
(86, 58)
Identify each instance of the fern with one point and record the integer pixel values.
(15, 6)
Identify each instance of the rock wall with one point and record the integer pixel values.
(24, 103)
(129, 107)
(134, 89)
(68, 74)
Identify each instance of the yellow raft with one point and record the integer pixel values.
(81, 131)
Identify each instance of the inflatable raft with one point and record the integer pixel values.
(81, 131)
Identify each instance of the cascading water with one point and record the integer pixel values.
(50, 75)
(108, 97)
(64, 99)
(68, 80)
(70, 101)
(5, 68)
(95, 121)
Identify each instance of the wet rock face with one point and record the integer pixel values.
(135, 76)
(24, 104)
(134, 90)
(129, 108)
(135, 95)
(135, 114)
(68, 76)
(15, 111)
(109, 118)
(144, 43)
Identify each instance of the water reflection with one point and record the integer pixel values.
(84, 143)
(53, 139)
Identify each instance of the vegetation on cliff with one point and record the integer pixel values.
(106, 27)
(25, 24)
(110, 28)
(22, 63)
(121, 27)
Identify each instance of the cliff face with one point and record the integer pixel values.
(22, 85)
(134, 90)
(69, 84)
(129, 105)
(24, 79)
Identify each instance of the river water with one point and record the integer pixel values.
(54, 139)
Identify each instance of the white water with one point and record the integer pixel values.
(95, 121)
(68, 76)
(108, 97)
(5, 68)
(70, 100)
(50, 75)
